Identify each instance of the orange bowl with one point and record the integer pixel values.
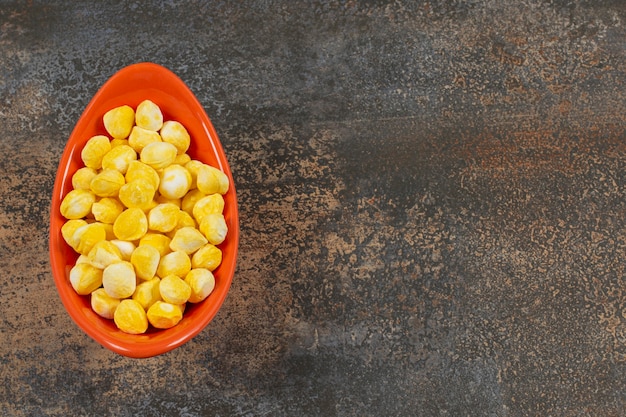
(130, 86)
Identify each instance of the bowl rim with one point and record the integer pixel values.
(158, 80)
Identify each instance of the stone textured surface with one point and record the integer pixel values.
(431, 195)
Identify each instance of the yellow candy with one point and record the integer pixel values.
(119, 158)
(132, 224)
(149, 116)
(126, 248)
(188, 240)
(164, 315)
(145, 259)
(69, 228)
(158, 154)
(107, 183)
(130, 317)
(182, 159)
(147, 293)
(211, 180)
(118, 142)
(159, 241)
(183, 219)
(174, 290)
(214, 228)
(119, 121)
(108, 228)
(141, 180)
(210, 204)
(175, 182)
(190, 200)
(85, 237)
(163, 217)
(174, 263)
(175, 133)
(103, 254)
(137, 170)
(85, 278)
(202, 282)
(119, 280)
(193, 167)
(94, 150)
(82, 259)
(138, 193)
(159, 199)
(102, 304)
(77, 204)
(151, 205)
(106, 210)
(82, 178)
(209, 257)
(140, 137)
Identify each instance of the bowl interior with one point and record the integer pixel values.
(130, 86)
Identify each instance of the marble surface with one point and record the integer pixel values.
(431, 196)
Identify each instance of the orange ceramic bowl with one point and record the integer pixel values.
(130, 86)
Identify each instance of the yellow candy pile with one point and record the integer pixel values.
(146, 220)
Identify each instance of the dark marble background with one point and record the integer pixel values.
(431, 195)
